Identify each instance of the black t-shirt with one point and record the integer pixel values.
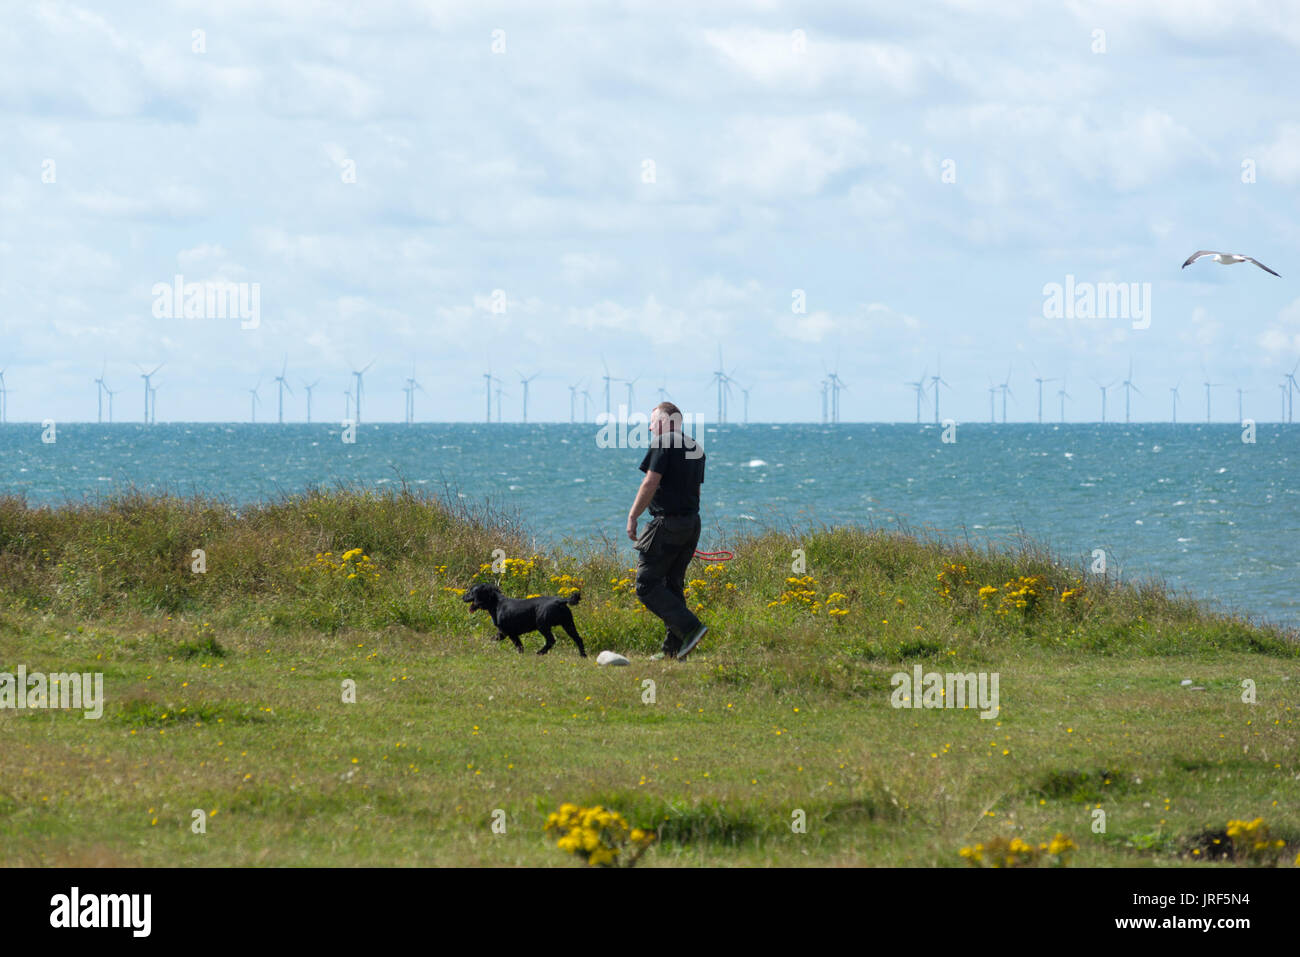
(680, 460)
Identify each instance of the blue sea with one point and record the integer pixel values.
(1190, 504)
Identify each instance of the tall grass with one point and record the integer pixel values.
(861, 593)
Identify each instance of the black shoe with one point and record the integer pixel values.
(691, 642)
(670, 646)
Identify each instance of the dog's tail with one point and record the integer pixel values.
(574, 598)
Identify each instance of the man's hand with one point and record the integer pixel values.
(649, 485)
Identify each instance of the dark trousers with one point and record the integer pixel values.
(664, 550)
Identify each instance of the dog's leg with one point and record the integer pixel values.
(550, 640)
(519, 645)
(573, 633)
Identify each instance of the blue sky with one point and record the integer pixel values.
(776, 169)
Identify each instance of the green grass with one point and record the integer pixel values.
(225, 693)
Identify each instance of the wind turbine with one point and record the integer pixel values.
(153, 404)
(500, 392)
(993, 390)
(937, 380)
(1006, 390)
(607, 379)
(745, 393)
(730, 377)
(1208, 386)
(525, 382)
(283, 385)
(1128, 385)
(99, 393)
(1174, 394)
(1064, 395)
(487, 388)
(145, 375)
(573, 399)
(723, 382)
(836, 384)
(307, 388)
(347, 405)
(1103, 396)
(629, 383)
(1040, 380)
(1284, 391)
(358, 375)
(253, 400)
(111, 393)
(1293, 387)
(409, 388)
(586, 400)
(919, 386)
(826, 384)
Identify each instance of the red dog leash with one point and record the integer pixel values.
(723, 556)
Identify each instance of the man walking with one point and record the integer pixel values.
(674, 471)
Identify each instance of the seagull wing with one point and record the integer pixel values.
(1198, 254)
(1262, 266)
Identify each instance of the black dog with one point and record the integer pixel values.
(518, 616)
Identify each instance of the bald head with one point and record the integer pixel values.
(665, 417)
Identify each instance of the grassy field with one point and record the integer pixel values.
(225, 692)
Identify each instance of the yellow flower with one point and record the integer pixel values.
(1060, 844)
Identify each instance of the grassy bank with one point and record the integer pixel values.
(224, 693)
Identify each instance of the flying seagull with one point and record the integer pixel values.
(1227, 259)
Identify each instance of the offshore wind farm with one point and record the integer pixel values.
(814, 400)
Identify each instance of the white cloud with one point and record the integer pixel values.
(1280, 159)
(159, 201)
(1204, 330)
(873, 326)
(1281, 340)
(784, 155)
(770, 58)
(581, 269)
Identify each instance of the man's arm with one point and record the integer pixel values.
(649, 485)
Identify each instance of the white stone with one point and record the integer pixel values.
(611, 658)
